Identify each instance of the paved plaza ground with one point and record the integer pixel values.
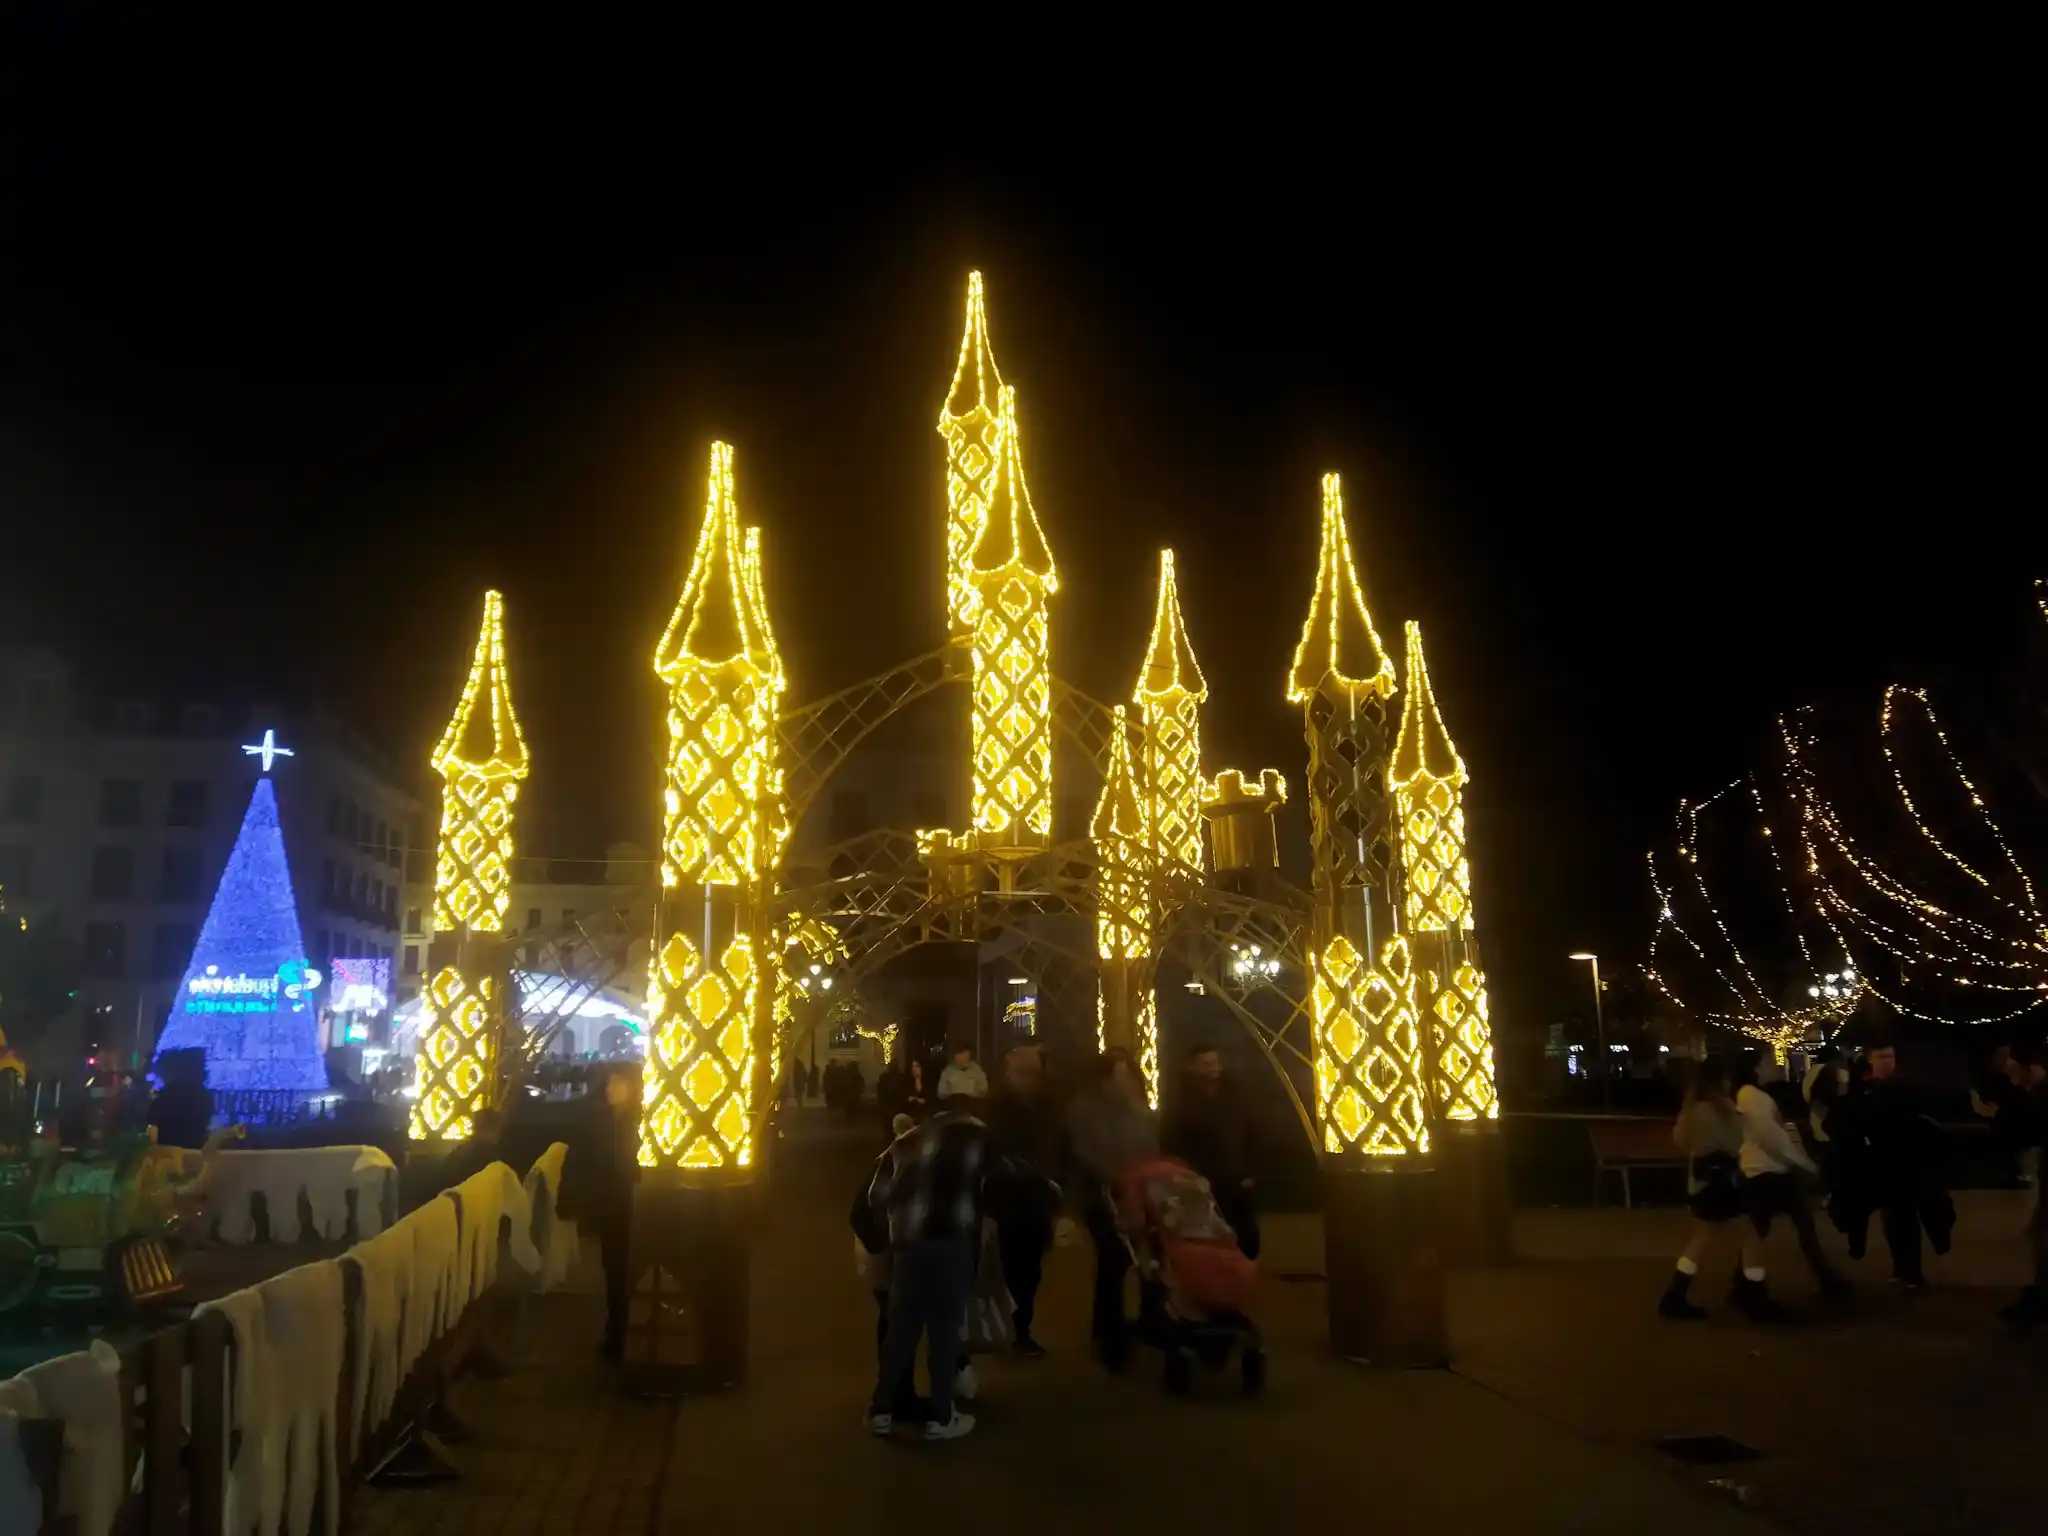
(1910, 1414)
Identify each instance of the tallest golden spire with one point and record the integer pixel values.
(1338, 639)
(971, 424)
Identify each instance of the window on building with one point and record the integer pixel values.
(377, 895)
(170, 950)
(327, 881)
(532, 955)
(106, 949)
(362, 889)
(532, 918)
(850, 814)
(17, 871)
(568, 916)
(334, 815)
(381, 843)
(412, 959)
(321, 945)
(121, 802)
(200, 720)
(187, 806)
(113, 874)
(179, 880)
(22, 805)
(391, 905)
(927, 808)
(412, 921)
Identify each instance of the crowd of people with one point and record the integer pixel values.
(961, 1208)
(1856, 1132)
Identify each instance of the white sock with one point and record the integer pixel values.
(1755, 1276)
(1688, 1265)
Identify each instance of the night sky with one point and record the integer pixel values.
(1675, 377)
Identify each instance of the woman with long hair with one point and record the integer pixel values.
(1709, 1133)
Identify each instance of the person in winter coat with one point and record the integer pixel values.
(1891, 1151)
(963, 1077)
(597, 1191)
(927, 1193)
(1026, 1123)
(1209, 1127)
(1709, 1133)
(2019, 1121)
(1110, 1127)
(1771, 1188)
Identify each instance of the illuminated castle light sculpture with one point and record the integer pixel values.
(1013, 577)
(724, 678)
(1148, 828)
(481, 760)
(1428, 779)
(247, 998)
(971, 424)
(1127, 1013)
(1370, 1089)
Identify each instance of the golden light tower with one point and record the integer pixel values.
(970, 422)
(1428, 779)
(1127, 1015)
(1385, 1286)
(1169, 696)
(712, 980)
(481, 759)
(1370, 1092)
(721, 829)
(1014, 578)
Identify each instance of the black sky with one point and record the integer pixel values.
(1676, 377)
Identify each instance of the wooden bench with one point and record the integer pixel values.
(1622, 1146)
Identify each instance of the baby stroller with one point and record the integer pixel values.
(1194, 1282)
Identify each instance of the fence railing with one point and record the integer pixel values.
(178, 1403)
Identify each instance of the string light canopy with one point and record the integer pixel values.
(1698, 961)
(481, 759)
(1941, 934)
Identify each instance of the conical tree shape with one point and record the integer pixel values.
(244, 999)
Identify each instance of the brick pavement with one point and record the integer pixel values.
(1061, 1449)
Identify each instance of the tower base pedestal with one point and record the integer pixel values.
(1475, 1214)
(687, 1317)
(1385, 1268)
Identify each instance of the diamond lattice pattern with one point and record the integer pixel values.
(1173, 777)
(1439, 880)
(696, 1110)
(721, 736)
(1368, 1051)
(1012, 710)
(972, 462)
(456, 1061)
(472, 872)
(1464, 1047)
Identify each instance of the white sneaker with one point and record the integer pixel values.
(960, 1424)
(880, 1424)
(967, 1384)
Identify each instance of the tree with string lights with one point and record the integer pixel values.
(1739, 944)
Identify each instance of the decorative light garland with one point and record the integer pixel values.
(972, 427)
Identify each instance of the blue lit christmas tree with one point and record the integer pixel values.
(247, 998)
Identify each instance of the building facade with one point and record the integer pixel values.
(116, 820)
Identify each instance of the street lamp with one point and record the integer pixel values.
(1600, 1028)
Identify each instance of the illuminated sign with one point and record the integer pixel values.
(268, 750)
(211, 992)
